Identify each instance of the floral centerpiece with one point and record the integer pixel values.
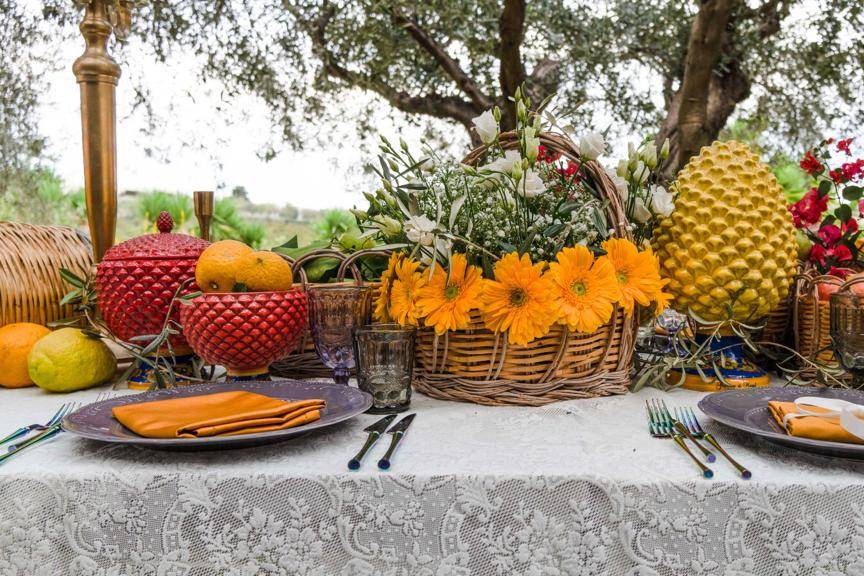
(833, 230)
(523, 241)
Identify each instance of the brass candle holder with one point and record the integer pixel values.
(203, 201)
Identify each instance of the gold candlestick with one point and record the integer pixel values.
(97, 74)
(203, 201)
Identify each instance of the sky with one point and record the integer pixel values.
(203, 143)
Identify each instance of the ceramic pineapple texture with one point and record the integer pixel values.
(730, 235)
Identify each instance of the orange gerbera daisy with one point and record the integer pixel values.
(587, 289)
(382, 303)
(520, 300)
(447, 299)
(637, 273)
(403, 293)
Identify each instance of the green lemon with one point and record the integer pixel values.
(69, 360)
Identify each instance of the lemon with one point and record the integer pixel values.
(216, 270)
(69, 360)
(16, 340)
(264, 271)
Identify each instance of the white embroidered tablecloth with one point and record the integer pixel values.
(577, 488)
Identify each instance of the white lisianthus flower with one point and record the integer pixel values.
(420, 230)
(503, 165)
(648, 154)
(641, 214)
(621, 185)
(623, 168)
(531, 184)
(640, 173)
(443, 246)
(387, 225)
(662, 201)
(592, 145)
(486, 126)
(532, 144)
(427, 164)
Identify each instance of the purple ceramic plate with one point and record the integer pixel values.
(747, 410)
(95, 421)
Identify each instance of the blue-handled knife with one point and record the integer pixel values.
(375, 431)
(398, 431)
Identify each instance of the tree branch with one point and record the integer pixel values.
(511, 29)
(450, 66)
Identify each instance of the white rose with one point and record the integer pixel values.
(503, 165)
(591, 146)
(662, 201)
(486, 126)
(420, 230)
(641, 214)
(531, 184)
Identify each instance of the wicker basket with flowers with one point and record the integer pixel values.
(518, 265)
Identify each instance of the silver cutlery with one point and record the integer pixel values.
(64, 409)
(661, 427)
(398, 431)
(693, 423)
(375, 431)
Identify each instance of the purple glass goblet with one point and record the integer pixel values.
(334, 312)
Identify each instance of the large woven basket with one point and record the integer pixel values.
(304, 361)
(477, 365)
(30, 260)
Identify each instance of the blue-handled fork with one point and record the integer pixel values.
(65, 408)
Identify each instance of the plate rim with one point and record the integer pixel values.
(275, 435)
(783, 438)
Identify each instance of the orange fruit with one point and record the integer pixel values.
(16, 340)
(264, 271)
(217, 266)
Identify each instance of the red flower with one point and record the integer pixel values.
(570, 169)
(850, 227)
(841, 253)
(843, 146)
(838, 272)
(837, 176)
(818, 253)
(861, 208)
(809, 209)
(852, 170)
(830, 235)
(544, 155)
(810, 164)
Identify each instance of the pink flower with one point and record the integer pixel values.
(818, 253)
(841, 253)
(861, 208)
(850, 227)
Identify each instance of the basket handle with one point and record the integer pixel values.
(297, 265)
(564, 146)
(356, 257)
(847, 286)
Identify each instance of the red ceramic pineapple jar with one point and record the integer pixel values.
(137, 280)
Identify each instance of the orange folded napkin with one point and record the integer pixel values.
(813, 427)
(220, 414)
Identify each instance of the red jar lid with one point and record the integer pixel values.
(163, 245)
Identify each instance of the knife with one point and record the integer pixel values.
(375, 431)
(398, 431)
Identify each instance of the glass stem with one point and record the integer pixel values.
(341, 375)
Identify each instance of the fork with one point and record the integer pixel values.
(675, 423)
(53, 424)
(661, 427)
(693, 423)
(64, 409)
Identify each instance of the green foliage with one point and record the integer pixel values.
(334, 223)
(40, 197)
(228, 224)
(151, 204)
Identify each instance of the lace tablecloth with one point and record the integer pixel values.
(577, 488)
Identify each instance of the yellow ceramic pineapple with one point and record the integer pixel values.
(730, 235)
